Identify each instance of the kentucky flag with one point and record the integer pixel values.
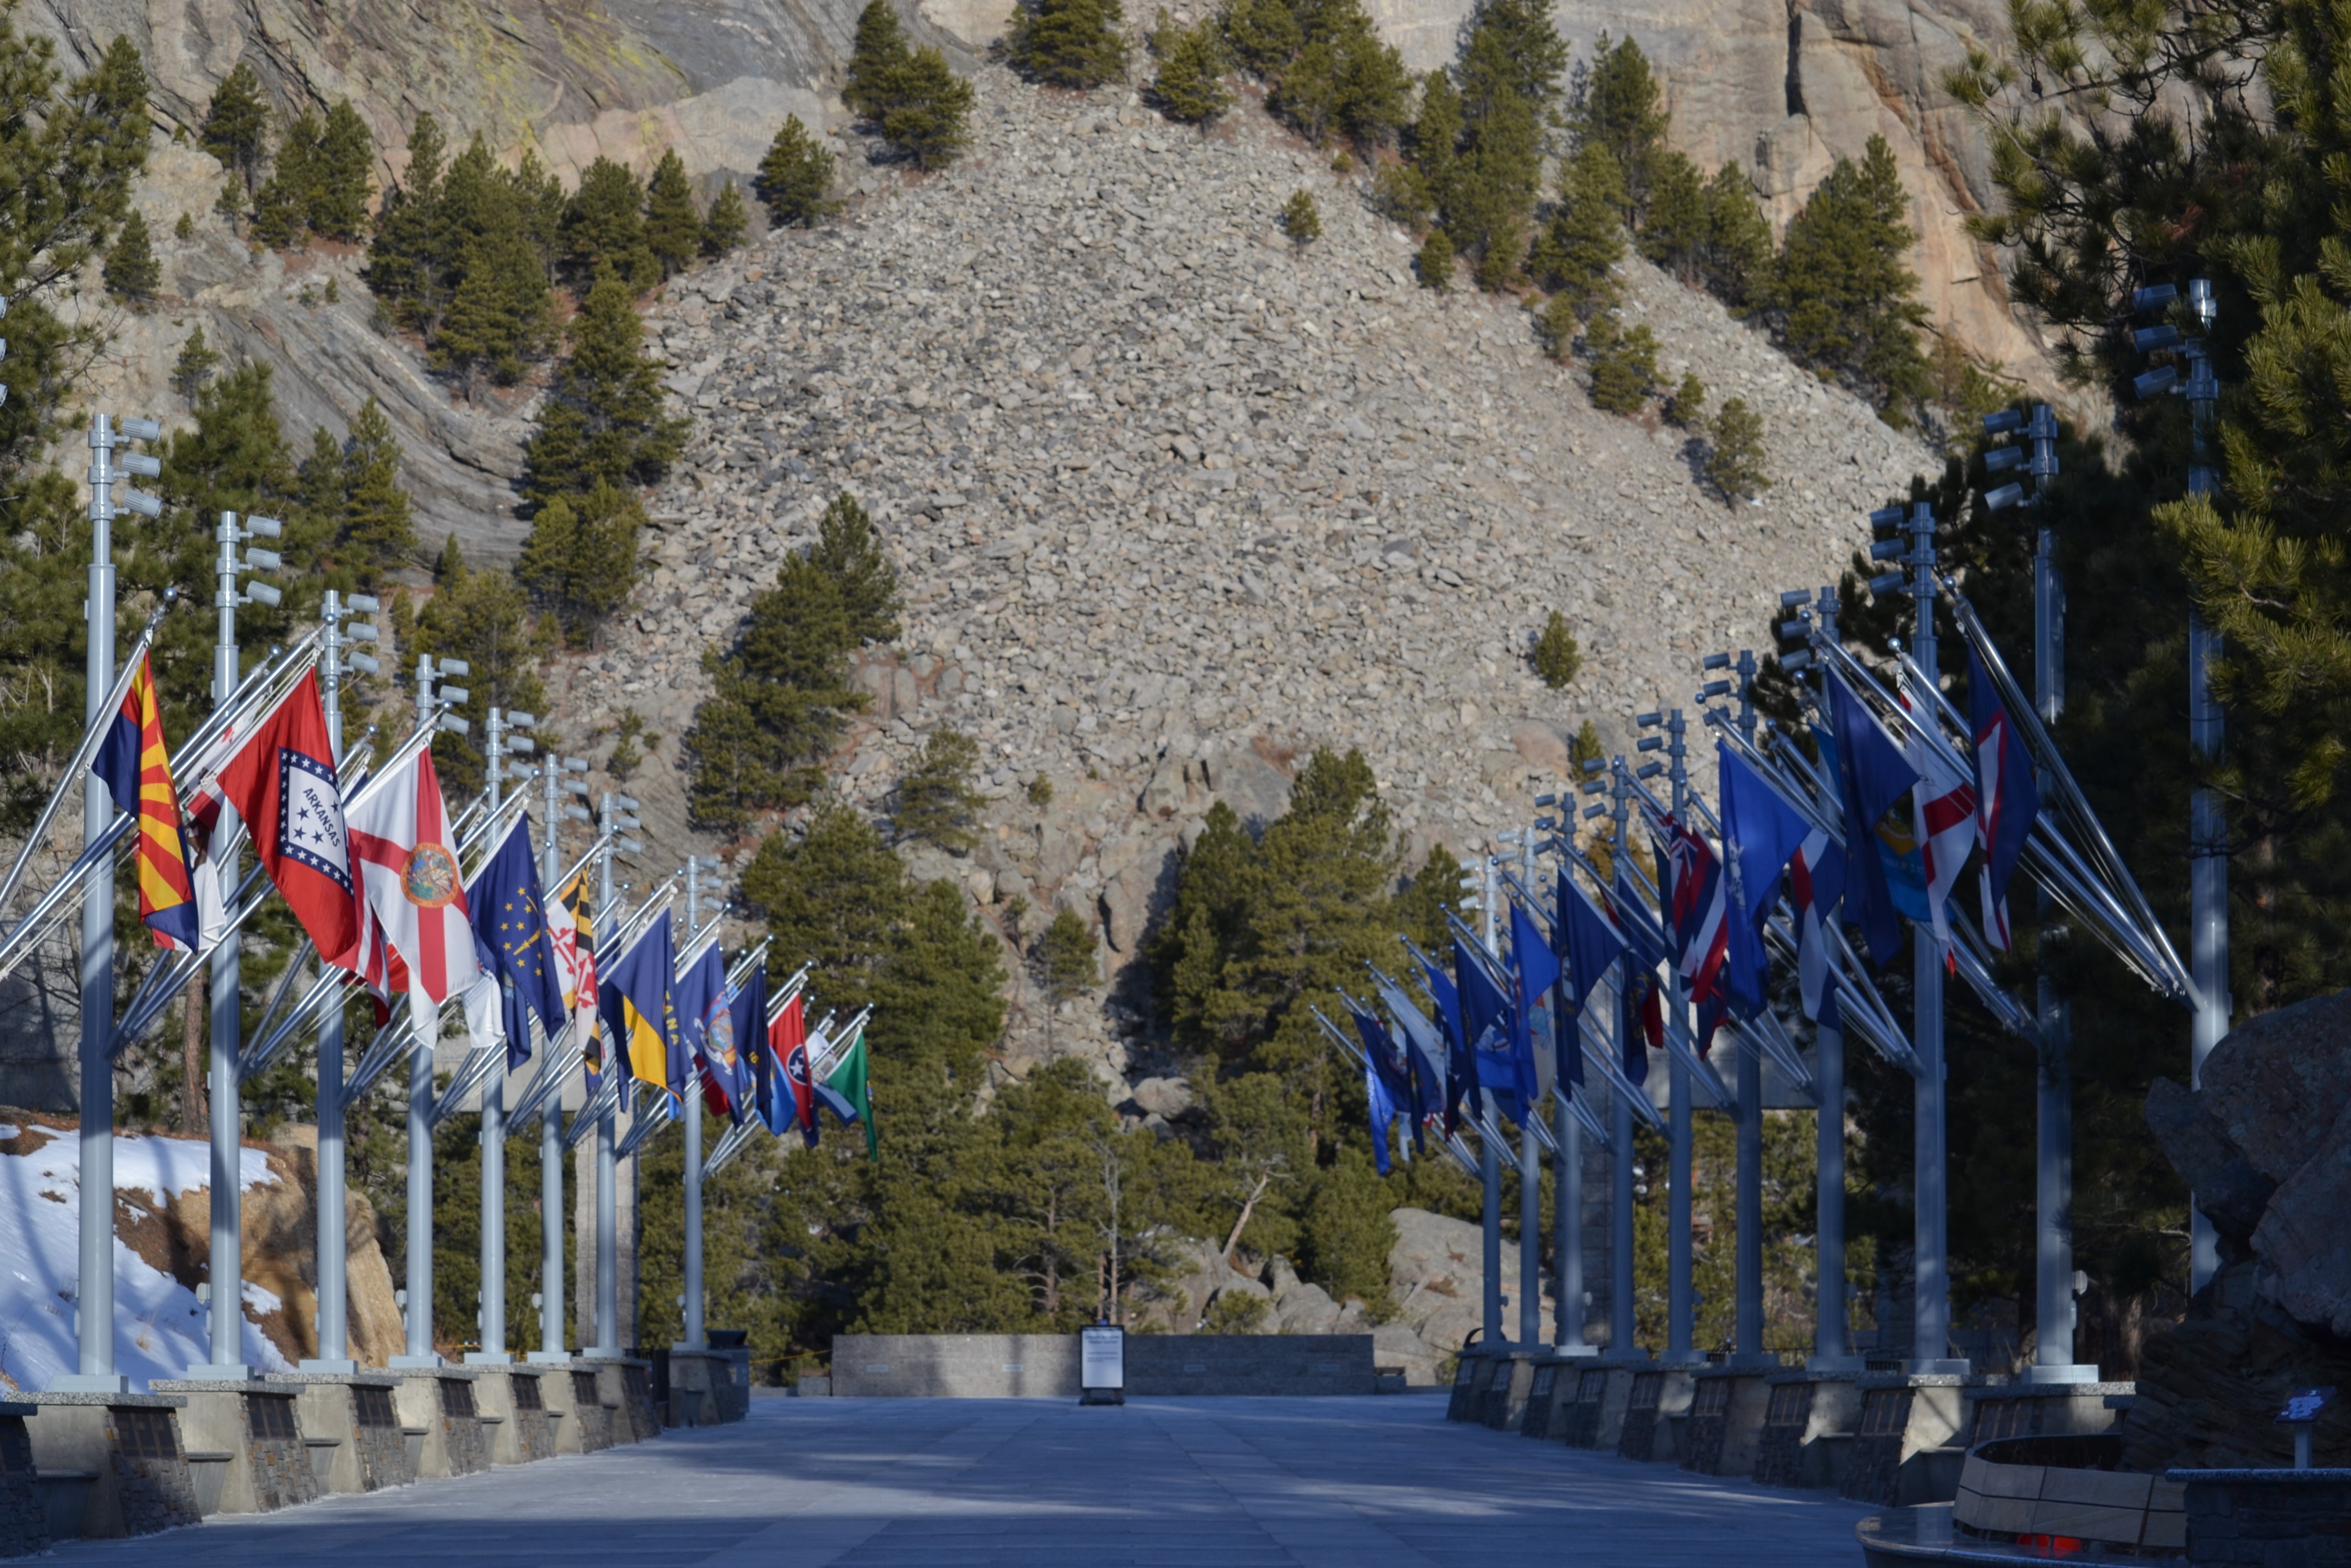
(510, 938)
(137, 771)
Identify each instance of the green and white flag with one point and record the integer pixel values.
(844, 1089)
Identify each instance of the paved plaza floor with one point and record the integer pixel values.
(963, 1483)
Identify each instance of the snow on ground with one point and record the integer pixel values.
(159, 1325)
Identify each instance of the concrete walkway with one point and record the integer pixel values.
(923, 1483)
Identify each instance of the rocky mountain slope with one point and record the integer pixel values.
(1174, 501)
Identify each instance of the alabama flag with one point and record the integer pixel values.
(413, 894)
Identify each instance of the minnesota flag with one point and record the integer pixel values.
(136, 769)
(634, 1005)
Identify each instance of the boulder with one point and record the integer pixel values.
(1168, 1097)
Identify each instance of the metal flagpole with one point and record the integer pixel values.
(492, 1295)
(693, 1094)
(224, 1276)
(1530, 1162)
(608, 1262)
(1623, 1327)
(1490, 1155)
(2207, 830)
(1680, 1306)
(1748, 1258)
(94, 1292)
(551, 1283)
(1832, 1348)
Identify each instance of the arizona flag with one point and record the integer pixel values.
(282, 782)
(408, 870)
(137, 771)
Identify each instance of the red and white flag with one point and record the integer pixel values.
(1943, 807)
(411, 892)
(282, 783)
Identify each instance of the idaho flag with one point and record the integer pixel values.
(633, 1003)
(136, 769)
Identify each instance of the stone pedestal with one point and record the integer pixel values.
(1725, 1430)
(1592, 1412)
(1908, 1446)
(1657, 1396)
(1808, 1429)
(1513, 1379)
(1471, 1372)
(2041, 1410)
(358, 1412)
(437, 1404)
(625, 1387)
(2264, 1517)
(1550, 1397)
(127, 1446)
(511, 1404)
(24, 1521)
(585, 1425)
(254, 1426)
(709, 1387)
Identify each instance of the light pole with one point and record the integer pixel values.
(618, 814)
(492, 1295)
(425, 1020)
(225, 1274)
(94, 1292)
(557, 776)
(1477, 894)
(334, 1329)
(692, 1109)
(1681, 1304)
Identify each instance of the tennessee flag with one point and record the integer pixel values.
(136, 769)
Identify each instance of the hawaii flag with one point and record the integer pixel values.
(408, 872)
(282, 782)
(137, 771)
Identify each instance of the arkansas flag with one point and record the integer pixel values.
(282, 782)
(408, 872)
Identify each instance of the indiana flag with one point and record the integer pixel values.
(408, 870)
(282, 782)
(137, 771)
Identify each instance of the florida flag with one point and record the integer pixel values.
(408, 872)
(137, 772)
(282, 782)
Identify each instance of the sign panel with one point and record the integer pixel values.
(1102, 1357)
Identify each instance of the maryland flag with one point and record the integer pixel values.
(571, 926)
(136, 769)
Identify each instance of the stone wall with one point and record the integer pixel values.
(2261, 1519)
(24, 1527)
(997, 1367)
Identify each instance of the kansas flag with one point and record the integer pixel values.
(136, 769)
(633, 1003)
(510, 938)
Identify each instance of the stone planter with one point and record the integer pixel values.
(253, 1427)
(2022, 1489)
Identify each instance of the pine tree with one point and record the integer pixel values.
(498, 319)
(581, 559)
(1068, 43)
(374, 534)
(1190, 83)
(1494, 186)
(282, 208)
(1436, 138)
(1579, 252)
(1674, 224)
(1434, 262)
(1263, 35)
(849, 551)
(482, 618)
(603, 421)
(795, 179)
(131, 269)
(1846, 304)
(1737, 259)
(1624, 365)
(344, 176)
(929, 123)
(1618, 105)
(1688, 406)
(236, 124)
(605, 228)
(877, 63)
(1554, 653)
(1306, 96)
(1301, 220)
(1736, 464)
(194, 366)
(405, 252)
(1067, 962)
(673, 223)
(936, 799)
(778, 701)
(1512, 48)
(726, 223)
(1375, 96)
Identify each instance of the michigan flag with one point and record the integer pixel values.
(136, 769)
(634, 1007)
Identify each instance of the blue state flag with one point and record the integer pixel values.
(636, 1007)
(1534, 971)
(1460, 1082)
(1484, 1016)
(747, 1014)
(1761, 832)
(511, 940)
(1873, 774)
(701, 1002)
(1590, 942)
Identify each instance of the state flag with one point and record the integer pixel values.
(401, 843)
(136, 769)
(282, 782)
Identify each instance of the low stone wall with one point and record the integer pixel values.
(999, 1367)
(24, 1522)
(590, 1424)
(130, 1444)
(2260, 1518)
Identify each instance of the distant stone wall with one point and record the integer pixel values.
(1000, 1367)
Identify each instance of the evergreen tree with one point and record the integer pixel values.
(1846, 304)
(482, 618)
(726, 223)
(1512, 48)
(603, 421)
(936, 799)
(877, 63)
(374, 534)
(603, 230)
(581, 559)
(1066, 960)
(795, 179)
(236, 125)
(1398, 193)
(1434, 262)
(1624, 365)
(1436, 138)
(1735, 465)
(1374, 97)
(131, 269)
(929, 123)
(1738, 259)
(1688, 406)
(405, 254)
(498, 319)
(282, 208)
(1674, 225)
(1494, 184)
(1554, 653)
(194, 366)
(344, 175)
(1263, 35)
(1617, 104)
(1068, 43)
(850, 552)
(1579, 252)
(1344, 1233)
(673, 223)
(1190, 83)
(1301, 220)
(1306, 96)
